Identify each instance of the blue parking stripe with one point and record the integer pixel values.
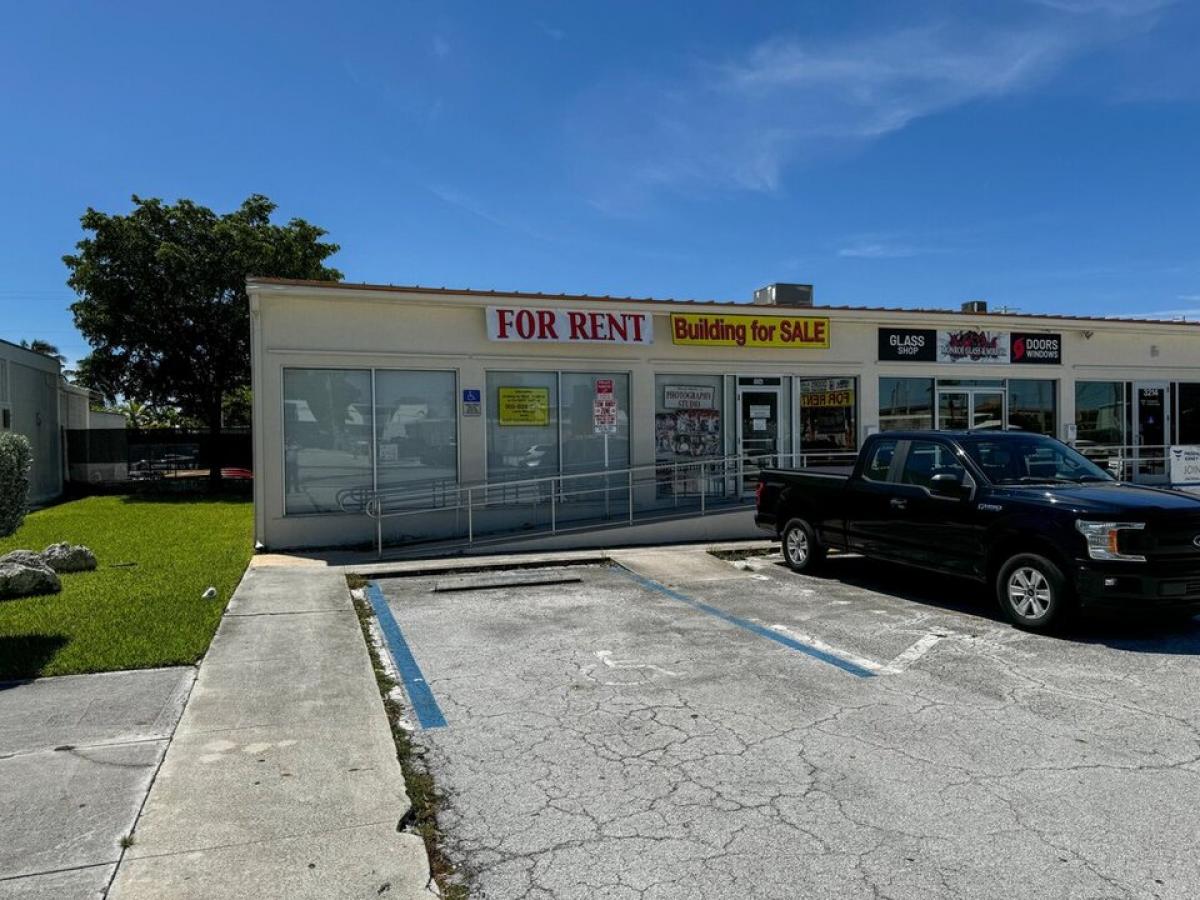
(762, 631)
(429, 714)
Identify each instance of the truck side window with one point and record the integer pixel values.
(876, 468)
(926, 459)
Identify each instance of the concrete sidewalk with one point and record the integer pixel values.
(77, 755)
(282, 779)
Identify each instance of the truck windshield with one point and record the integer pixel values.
(1031, 459)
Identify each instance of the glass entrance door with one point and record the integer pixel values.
(987, 410)
(970, 410)
(954, 410)
(1151, 430)
(758, 431)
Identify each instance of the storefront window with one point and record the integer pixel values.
(688, 417)
(1099, 413)
(1189, 413)
(827, 414)
(416, 427)
(1031, 405)
(327, 437)
(595, 421)
(522, 425)
(905, 403)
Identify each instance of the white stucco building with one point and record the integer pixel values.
(418, 392)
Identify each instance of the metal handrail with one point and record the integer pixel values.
(382, 504)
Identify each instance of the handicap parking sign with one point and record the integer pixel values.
(472, 402)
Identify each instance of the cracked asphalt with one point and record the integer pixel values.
(607, 740)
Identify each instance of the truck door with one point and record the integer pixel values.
(934, 529)
(867, 498)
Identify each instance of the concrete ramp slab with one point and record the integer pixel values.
(676, 565)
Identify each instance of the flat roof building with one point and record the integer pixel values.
(551, 408)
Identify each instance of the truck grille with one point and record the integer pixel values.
(1172, 539)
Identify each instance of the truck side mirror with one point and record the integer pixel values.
(946, 484)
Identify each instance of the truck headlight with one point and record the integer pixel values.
(1102, 537)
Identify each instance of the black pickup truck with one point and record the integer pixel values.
(1026, 514)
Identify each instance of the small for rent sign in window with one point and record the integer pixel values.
(524, 405)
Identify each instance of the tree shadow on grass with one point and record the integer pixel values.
(187, 498)
(25, 656)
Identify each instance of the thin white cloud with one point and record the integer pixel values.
(884, 249)
(1188, 298)
(1180, 313)
(551, 31)
(1118, 8)
(441, 47)
(740, 123)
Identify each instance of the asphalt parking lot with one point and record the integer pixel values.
(683, 726)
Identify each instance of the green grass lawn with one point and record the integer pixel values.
(142, 606)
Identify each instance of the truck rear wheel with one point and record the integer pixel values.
(1033, 592)
(801, 551)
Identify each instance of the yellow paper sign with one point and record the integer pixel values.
(524, 406)
(719, 330)
(821, 399)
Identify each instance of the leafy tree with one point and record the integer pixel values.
(162, 298)
(45, 348)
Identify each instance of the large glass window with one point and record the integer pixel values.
(1189, 413)
(522, 425)
(688, 420)
(531, 427)
(1031, 405)
(416, 427)
(827, 414)
(1099, 413)
(595, 421)
(326, 437)
(905, 403)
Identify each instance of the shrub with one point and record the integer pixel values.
(15, 461)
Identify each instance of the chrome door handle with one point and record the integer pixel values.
(898, 503)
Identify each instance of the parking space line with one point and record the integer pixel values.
(429, 714)
(753, 627)
(818, 644)
(916, 651)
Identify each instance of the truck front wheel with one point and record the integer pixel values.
(801, 551)
(1033, 592)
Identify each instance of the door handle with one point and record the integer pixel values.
(898, 503)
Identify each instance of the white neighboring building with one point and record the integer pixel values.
(37, 402)
(29, 405)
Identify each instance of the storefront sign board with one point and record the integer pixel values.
(568, 326)
(689, 396)
(720, 330)
(1035, 349)
(907, 345)
(969, 345)
(523, 405)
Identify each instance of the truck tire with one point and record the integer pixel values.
(801, 551)
(1033, 592)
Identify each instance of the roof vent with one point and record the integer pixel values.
(784, 295)
(975, 306)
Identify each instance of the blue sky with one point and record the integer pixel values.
(1041, 154)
